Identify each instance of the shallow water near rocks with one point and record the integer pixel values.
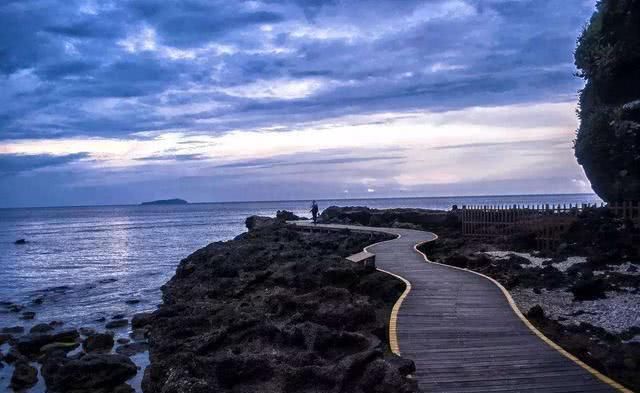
(83, 264)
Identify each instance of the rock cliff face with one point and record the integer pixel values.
(276, 310)
(608, 140)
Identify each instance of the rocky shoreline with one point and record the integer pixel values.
(73, 360)
(272, 310)
(277, 310)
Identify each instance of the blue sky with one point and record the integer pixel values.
(125, 101)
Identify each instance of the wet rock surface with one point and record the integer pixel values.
(41, 328)
(24, 376)
(141, 320)
(117, 323)
(258, 313)
(30, 344)
(98, 342)
(88, 373)
(130, 349)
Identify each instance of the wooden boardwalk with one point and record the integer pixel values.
(463, 334)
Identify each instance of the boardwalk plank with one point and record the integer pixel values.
(461, 332)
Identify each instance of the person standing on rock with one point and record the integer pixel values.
(314, 211)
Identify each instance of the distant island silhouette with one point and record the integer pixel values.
(174, 201)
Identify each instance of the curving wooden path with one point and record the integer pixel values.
(462, 332)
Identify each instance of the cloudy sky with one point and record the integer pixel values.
(106, 102)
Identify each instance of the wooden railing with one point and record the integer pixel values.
(627, 209)
(547, 222)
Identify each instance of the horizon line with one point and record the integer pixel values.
(302, 200)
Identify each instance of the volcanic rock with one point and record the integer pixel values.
(118, 323)
(99, 342)
(41, 328)
(90, 373)
(24, 376)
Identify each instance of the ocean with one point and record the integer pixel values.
(83, 264)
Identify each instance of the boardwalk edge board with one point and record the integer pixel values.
(393, 321)
(394, 345)
(538, 333)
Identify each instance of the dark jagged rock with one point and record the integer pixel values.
(61, 346)
(87, 331)
(589, 288)
(13, 330)
(536, 312)
(4, 337)
(141, 320)
(132, 348)
(421, 219)
(284, 215)
(259, 314)
(30, 344)
(99, 342)
(27, 315)
(255, 222)
(118, 323)
(608, 140)
(139, 334)
(404, 366)
(24, 376)
(91, 373)
(41, 328)
(20, 241)
(13, 356)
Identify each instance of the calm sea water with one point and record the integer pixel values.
(85, 263)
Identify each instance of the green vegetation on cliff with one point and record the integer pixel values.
(608, 140)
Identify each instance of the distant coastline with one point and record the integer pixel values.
(175, 201)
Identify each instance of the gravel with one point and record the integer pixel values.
(537, 261)
(618, 312)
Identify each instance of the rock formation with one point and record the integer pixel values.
(276, 310)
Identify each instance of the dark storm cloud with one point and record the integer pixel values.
(529, 144)
(91, 68)
(11, 164)
(174, 157)
(368, 56)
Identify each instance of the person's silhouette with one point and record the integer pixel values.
(314, 211)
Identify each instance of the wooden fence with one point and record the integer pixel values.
(547, 222)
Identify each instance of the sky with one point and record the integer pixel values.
(117, 102)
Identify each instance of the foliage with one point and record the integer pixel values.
(608, 140)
